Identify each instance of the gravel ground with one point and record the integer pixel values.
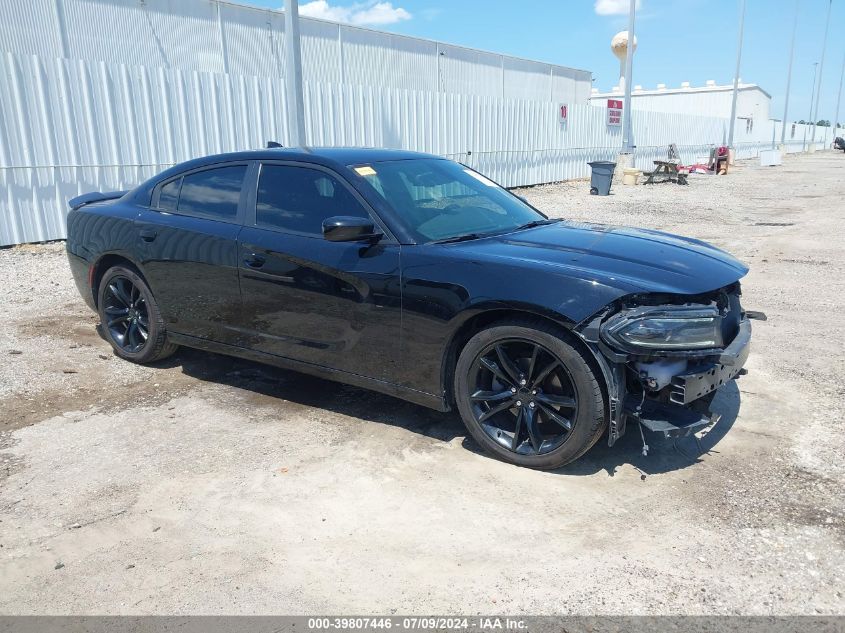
(212, 485)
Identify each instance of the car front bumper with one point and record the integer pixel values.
(678, 415)
(689, 387)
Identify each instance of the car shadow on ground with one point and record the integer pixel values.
(664, 455)
(260, 381)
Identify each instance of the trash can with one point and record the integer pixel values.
(601, 176)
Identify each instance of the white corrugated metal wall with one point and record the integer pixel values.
(69, 126)
(214, 36)
(71, 122)
(752, 102)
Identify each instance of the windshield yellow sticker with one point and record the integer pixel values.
(480, 178)
(365, 170)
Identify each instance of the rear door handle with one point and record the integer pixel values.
(254, 261)
(148, 235)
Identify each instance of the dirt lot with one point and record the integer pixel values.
(210, 485)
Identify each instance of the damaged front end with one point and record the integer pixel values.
(664, 356)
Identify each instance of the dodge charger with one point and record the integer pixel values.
(418, 277)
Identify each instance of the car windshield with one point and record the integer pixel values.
(441, 200)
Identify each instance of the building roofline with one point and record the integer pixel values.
(691, 89)
(407, 37)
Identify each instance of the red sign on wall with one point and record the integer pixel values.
(563, 113)
(614, 112)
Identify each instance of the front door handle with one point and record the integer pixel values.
(148, 235)
(254, 261)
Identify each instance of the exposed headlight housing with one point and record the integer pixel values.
(649, 329)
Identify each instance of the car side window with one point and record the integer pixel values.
(300, 198)
(212, 192)
(168, 197)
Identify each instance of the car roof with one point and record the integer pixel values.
(334, 156)
(357, 155)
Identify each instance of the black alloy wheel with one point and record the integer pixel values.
(128, 317)
(523, 396)
(529, 396)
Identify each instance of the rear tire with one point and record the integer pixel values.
(528, 396)
(130, 318)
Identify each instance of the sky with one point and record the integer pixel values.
(678, 40)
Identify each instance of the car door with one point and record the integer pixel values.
(333, 304)
(188, 242)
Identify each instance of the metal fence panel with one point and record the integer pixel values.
(72, 126)
(170, 33)
(252, 41)
(31, 27)
(212, 36)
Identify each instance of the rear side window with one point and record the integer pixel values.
(168, 197)
(299, 199)
(212, 192)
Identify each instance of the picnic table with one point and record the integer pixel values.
(665, 171)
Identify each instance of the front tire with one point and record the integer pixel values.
(529, 397)
(130, 317)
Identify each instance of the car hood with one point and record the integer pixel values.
(629, 259)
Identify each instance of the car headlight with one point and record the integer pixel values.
(669, 328)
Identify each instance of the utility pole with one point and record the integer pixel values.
(736, 76)
(627, 137)
(812, 94)
(293, 75)
(789, 76)
(821, 70)
(839, 98)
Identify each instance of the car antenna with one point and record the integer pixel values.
(273, 144)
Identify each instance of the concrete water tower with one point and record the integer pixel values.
(619, 46)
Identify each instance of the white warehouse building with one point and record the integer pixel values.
(710, 100)
(99, 95)
(219, 37)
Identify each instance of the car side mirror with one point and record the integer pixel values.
(344, 228)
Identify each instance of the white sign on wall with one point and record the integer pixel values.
(614, 112)
(563, 114)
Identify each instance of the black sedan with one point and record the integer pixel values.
(418, 277)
